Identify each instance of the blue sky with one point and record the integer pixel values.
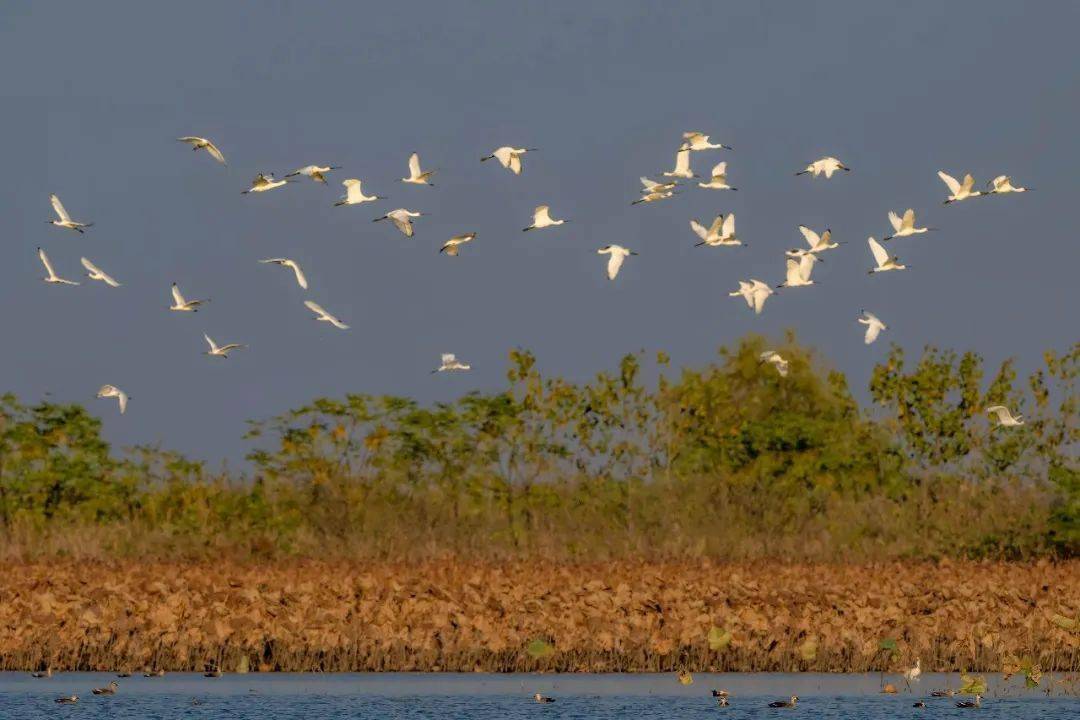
(94, 95)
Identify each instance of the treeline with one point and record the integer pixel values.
(730, 461)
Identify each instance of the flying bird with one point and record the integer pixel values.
(682, 165)
(95, 273)
(264, 182)
(111, 391)
(453, 245)
(776, 360)
(651, 186)
(52, 277)
(199, 143)
(799, 270)
(884, 261)
(416, 175)
(904, 226)
(222, 351)
(874, 326)
(825, 166)
(402, 219)
(315, 172)
(542, 219)
(182, 305)
(617, 254)
(649, 197)
(324, 316)
(450, 364)
(721, 232)
(1005, 417)
(354, 195)
(292, 264)
(718, 178)
(818, 243)
(65, 220)
(700, 141)
(959, 191)
(754, 292)
(509, 157)
(1002, 185)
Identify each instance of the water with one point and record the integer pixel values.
(403, 696)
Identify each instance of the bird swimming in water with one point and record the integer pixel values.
(785, 703)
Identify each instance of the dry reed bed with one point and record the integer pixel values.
(452, 615)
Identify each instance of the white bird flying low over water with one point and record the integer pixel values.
(818, 243)
(618, 253)
(449, 363)
(315, 172)
(199, 143)
(1002, 185)
(874, 326)
(721, 232)
(754, 292)
(776, 360)
(65, 220)
(825, 166)
(883, 260)
(700, 141)
(182, 305)
(718, 178)
(402, 220)
(111, 391)
(416, 175)
(324, 316)
(453, 245)
(301, 280)
(354, 195)
(1005, 417)
(904, 226)
(799, 270)
(959, 191)
(682, 165)
(542, 219)
(264, 182)
(509, 157)
(221, 351)
(95, 273)
(52, 277)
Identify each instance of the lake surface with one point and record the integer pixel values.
(508, 697)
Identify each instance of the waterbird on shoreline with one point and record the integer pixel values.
(198, 143)
(402, 220)
(617, 254)
(1005, 417)
(324, 316)
(111, 391)
(67, 700)
(1002, 185)
(264, 182)
(315, 172)
(883, 261)
(109, 689)
(65, 220)
(509, 157)
(416, 175)
(958, 191)
(450, 363)
(452, 246)
(912, 674)
(542, 219)
(543, 698)
(904, 226)
(697, 141)
(776, 360)
(223, 350)
(182, 305)
(717, 178)
(682, 165)
(874, 326)
(825, 166)
(52, 277)
(215, 673)
(785, 703)
(976, 703)
(95, 273)
(354, 194)
(301, 280)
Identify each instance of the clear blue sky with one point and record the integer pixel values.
(95, 93)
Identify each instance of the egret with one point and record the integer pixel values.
(301, 280)
(509, 157)
(65, 220)
(818, 243)
(718, 178)
(264, 182)
(874, 326)
(182, 305)
(721, 232)
(700, 141)
(95, 273)
(354, 195)
(617, 254)
(198, 143)
(826, 166)
(682, 165)
(402, 219)
(52, 277)
(220, 351)
(904, 226)
(884, 261)
(912, 674)
(959, 191)
(416, 175)
(324, 316)
(111, 391)
(1004, 417)
(776, 360)
(1003, 185)
(450, 364)
(453, 245)
(542, 219)
(315, 172)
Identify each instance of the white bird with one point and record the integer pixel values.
(416, 175)
(874, 326)
(198, 143)
(818, 243)
(1004, 417)
(718, 178)
(222, 351)
(649, 197)
(402, 219)
(301, 280)
(95, 273)
(776, 360)
(315, 172)
(264, 182)
(904, 226)
(52, 277)
(182, 305)
(884, 261)
(65, 220)
(509, 157)
(651, 186)
(324, 316)
(682, 165)
(1003, 184)
(826, 166)
(618, 253)
(354, 195)
(912, 674)
(449, 363)
(721, 232)
(542, 219)
(746, 291)
(700, 141)
(959, 191)
(453, 245)
(799, 270)
(111, 391)
(754, 292)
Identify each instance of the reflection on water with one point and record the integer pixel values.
(505, 697)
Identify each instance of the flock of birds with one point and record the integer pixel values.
(721, 232)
